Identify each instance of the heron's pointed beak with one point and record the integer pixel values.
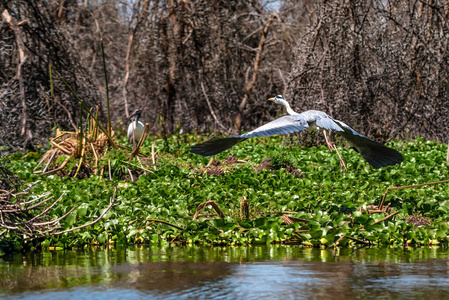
(271, 99)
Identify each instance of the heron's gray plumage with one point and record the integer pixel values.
(215, 146)
(283, 125)
(373, 152)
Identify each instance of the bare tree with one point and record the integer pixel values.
(30, 43)
(203, 66)
(382, 66)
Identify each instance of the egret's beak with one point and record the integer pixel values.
(130, 117)
(271, 99)
(134, 114)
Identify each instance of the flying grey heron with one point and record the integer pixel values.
(135, 128)
(376, 154)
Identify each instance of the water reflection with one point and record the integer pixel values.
(279, 271)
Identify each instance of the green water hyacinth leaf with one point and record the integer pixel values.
(101, 238)
(70, 219)
(82, 209)
(46, 244)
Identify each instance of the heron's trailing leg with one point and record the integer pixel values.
(329, 143)
(331, 146)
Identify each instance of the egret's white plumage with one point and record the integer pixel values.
(135, 128)
(373, 152)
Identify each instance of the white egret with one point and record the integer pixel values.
(135, 128)
(376, 154)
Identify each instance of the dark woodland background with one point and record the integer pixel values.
(209, 66)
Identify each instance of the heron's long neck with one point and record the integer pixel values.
(290, 111)
(137, 120)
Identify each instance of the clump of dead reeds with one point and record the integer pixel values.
(78, 153)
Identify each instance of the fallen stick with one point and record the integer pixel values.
(58, 168)
(136, 150)
(286, 220)
(152, 153)
(109, 165)
(27, 208)
(59, 147)
(210, 108)
(210, 162)
(54, 221)
(406, 187)
(213, 204)
(111, 202)
(299, 219)
(159, 221)
(96, 158)
(337, 241)
(357, 240)
(386, 218)
(40, 162)
(49, 161)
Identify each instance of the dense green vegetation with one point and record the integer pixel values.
(159, 206)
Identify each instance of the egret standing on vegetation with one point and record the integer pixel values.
(376, 154)
(135, 128)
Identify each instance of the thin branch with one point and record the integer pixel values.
(152, 153)
(68, 114)
(109, 128)
(22, 58)
(386, 218)
(47, 209)
(111, 202)
(55, 220)
(160, 221)
(210, 107)
(337, 241)
(58, 168)
(125, 80)
(34, 200)
(407, 187)
(257, 61)
(144, 136)
(59, 147)
(28, 208)
(357, 240)
(49, 161)
(204, 204)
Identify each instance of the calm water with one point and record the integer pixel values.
(258, 272)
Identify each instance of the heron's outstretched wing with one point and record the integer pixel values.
(215, 146)
(320, 119)
(328, 124)
(373, 152)
(283, 125)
